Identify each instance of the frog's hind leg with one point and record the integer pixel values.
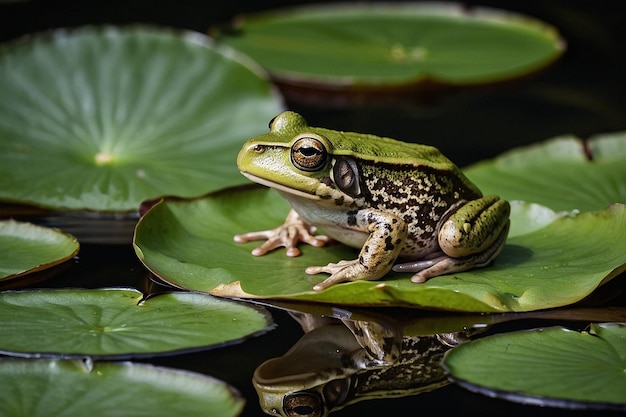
(443, 264)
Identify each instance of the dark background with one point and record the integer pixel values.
(583, 93)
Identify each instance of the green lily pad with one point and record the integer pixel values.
(28, 248)
(42, 388)
(189, 243)
(394, 44)
(105, 118)
(114, 323)
(553, 366)
(563, 173)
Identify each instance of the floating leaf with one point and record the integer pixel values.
(382, 45)
(554, 366)
(27, 248)
(42, 388)
(559, 173)
(119, 323)
(189, 243)
(105, 118)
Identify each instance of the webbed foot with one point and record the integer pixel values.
(287, 235)
(343, 271)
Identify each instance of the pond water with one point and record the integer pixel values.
(583, 93)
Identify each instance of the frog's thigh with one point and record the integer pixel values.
(446, 265)
(474, 227)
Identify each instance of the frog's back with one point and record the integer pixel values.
(382, 149)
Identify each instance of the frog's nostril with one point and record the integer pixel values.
(258, 148)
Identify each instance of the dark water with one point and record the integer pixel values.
(583, 93)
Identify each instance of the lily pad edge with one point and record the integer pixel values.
(47, 265)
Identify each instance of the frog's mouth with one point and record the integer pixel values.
(280, 187)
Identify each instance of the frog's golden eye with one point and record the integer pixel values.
(309, 154)
(303, 404)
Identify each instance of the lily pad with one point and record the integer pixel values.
(102, 119)
(563, 173)
(28, 248)
(378, 45)
(189, 244)
(41, 388)
(553, 366)
(115, 323)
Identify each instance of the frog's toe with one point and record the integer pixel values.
(327, 283)
(419, 278)
(276, 242)
(342, 271)
(443, 266)
(318, 241)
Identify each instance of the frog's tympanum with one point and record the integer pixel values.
(404, 205)
(335, 365)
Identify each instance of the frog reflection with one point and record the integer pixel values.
(340, 362)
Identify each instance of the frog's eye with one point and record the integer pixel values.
(309, 154)
(303, 404)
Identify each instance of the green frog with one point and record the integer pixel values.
(405, 206)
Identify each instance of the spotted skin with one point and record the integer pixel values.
(420, 196)
(400, 213)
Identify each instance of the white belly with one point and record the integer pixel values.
(332, 222)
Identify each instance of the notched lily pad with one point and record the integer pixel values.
(28, 248)
(189, 243)
(379, 45)
(101, 119)
(550, 367)
(120, 323)
(564, 173)
(42, 387)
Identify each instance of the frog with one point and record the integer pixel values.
(404, 205)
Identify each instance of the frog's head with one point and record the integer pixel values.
(324, 164)
(292, 157)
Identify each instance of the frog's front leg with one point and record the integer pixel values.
(293, 231)
(469, 238)
(387, 234)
